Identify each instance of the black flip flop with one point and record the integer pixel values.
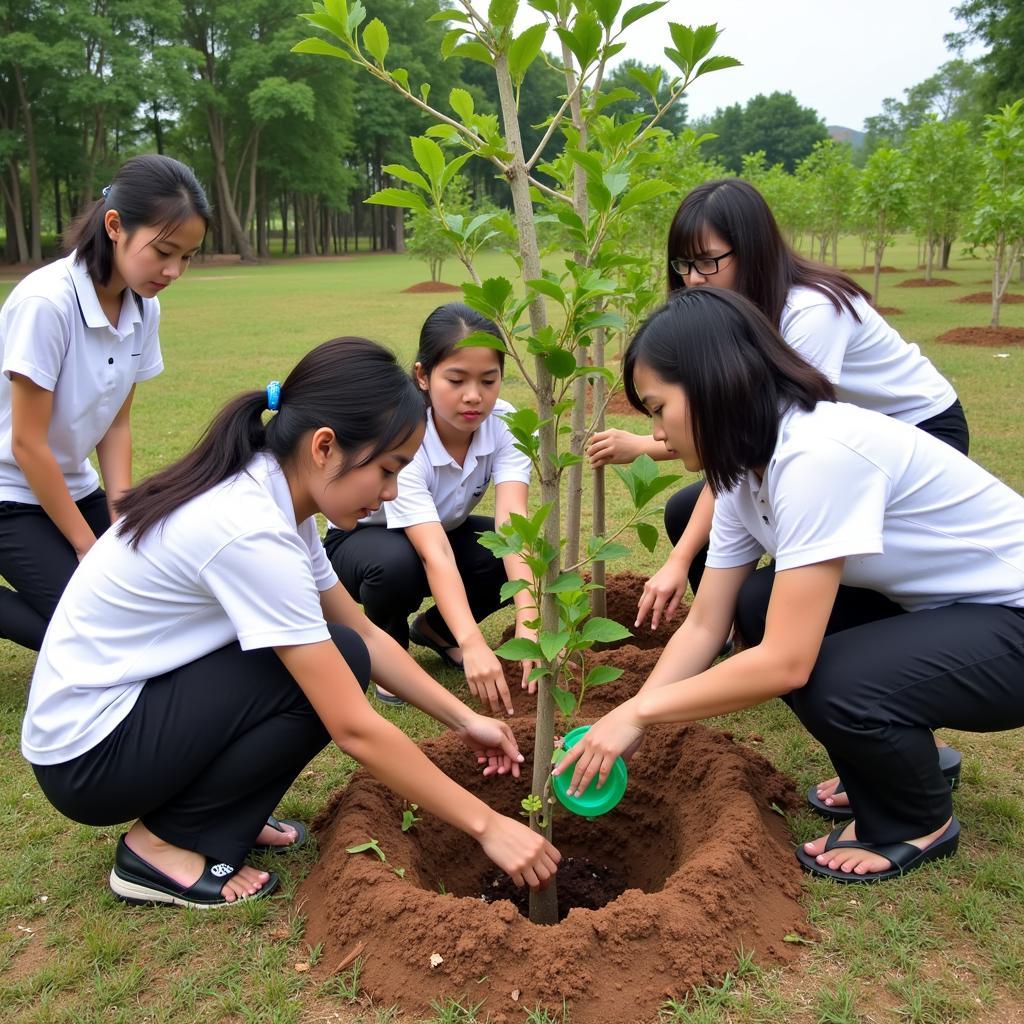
(274, 823)
(134, 880)
(422, 640)
(903, 856)
(950, 761)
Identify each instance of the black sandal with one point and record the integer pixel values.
(904, 857)
(950, 761)
(134, 880)
(276, 824)
(422, 640)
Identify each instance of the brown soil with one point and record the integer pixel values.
(619, 405)
(985, 298)
(706, 864)
(432, 286)
(920, 282)
(871, 270)
(656, 896)
(888, 311)
(984, 337)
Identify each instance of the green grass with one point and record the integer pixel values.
(944, 945)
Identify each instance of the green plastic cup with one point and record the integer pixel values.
(592, 801)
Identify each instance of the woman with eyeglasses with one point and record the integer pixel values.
(724, 236)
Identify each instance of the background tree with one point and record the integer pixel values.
(998, 221)
(999, 24)
(827, 179)
(776, 124)
(881, 202)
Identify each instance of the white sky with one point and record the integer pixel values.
(841, 57)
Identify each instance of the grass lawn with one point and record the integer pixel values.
(946, 944)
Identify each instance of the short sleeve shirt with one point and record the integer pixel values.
(914, 519)
(434, 488)
(54, 332)
(868, 361)
(231, 564)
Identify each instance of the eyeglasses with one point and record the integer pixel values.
(706, 266)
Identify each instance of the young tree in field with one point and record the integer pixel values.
(827, 181)
(782, 192)
(593, 176)
(882, 203)
(998, 221)
(943, 170)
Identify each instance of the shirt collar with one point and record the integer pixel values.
(482, 444)
(89, 301)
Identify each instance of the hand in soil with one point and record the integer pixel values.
(526, 857)
(615, 735)
(486, 678)
(663, 592)
(494, 745)
(526, 633)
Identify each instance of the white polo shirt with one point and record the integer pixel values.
(230, 564)
(869, 362)
(434, 488)
(914, 519)
(53, 331)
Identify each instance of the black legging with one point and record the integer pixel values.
(206, 754)
(382, 571)
(949, 426)
(37, 561)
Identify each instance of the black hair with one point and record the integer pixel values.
(737, 373)
(147, 191)
(446, 327)
(766, 267)
(351, 385)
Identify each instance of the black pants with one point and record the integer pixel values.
(206, 754)
(37, 561)
(885, 678)
(949, 426)
(382, 571)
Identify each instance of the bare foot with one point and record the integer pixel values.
(271, 837)
(826, 790)
(455, 653)
(185, 866)
(861, 862)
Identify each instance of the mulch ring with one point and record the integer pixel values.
(985, 298)
(871, 270)
(921, 282)
(888, 311)
(657, 895)
(983, 337)
(432, 286)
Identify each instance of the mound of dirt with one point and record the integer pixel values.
(920, 282)
(984, 337)
(888, 311)
(985, 299)
(431, 286)
(871, 270)
(702, 862)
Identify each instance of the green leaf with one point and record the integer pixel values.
(452, 169)
(497, 291)
(601, 675)
(337, 9)
(524, 51)
(566, 581)
(601, 550)
(406, 174)
(560, 363)
(683, 37)
(565, 700)
(648, 535)
(607, 11)
(510, 588)
(371, 847)
(703, 39)
(500, 13)
(599, 196)
(401, 76)
(450, 40)
(553, 643)
(429, 156)
(545, 6)
(640, 11)
(643, 193)
(397, 197)
(604, 631)
(321, 48)
(548, 288)
(375, 39)
(474, 50)
(718, 64)
(329, 23)
(447, 14)
(520, 649)
(462, 103)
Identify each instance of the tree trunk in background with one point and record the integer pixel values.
(947, 246)
(57, 207)
(298, 225)
(310, 226)
(284, 225)
(16, 215)
(236, 232)
(35, 226)
(399, 228)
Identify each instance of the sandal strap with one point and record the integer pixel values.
(898, 854)
(209, 884)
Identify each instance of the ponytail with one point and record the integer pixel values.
(146, 191)
(351, 385)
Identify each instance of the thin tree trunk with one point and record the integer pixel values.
(238, 235)
(12, 199)
(35, 228)
(58, 206)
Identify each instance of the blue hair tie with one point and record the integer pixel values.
(274, 395)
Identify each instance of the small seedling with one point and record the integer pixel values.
(441, 889)
(530, 805)
(399, 871)
(373, 846)
(409, 817)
